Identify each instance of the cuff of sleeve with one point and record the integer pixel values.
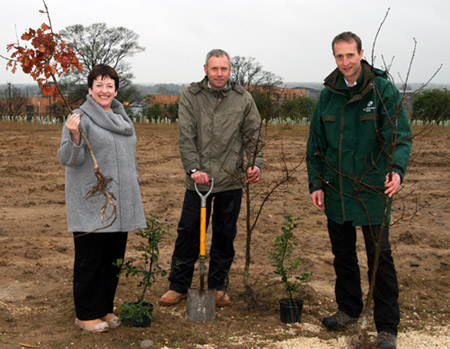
(400, 170)
(77, 145)
(315, 185)
(190, 168)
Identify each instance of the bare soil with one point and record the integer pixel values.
(36, 254)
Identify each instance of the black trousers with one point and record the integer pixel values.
(95, 278)
(225, 207)
(348, 283)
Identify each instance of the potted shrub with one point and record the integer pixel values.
(285, 266)
(145, 268)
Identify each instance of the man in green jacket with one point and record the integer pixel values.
(357, 153)
(218, 124)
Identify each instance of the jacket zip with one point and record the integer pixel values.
(341, 184)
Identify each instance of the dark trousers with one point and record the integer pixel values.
(95, 278)
(225, 207)
(348, 283)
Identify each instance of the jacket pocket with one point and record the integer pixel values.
(370, 117)
(328, 118)
(368, 131)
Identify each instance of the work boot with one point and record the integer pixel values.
(338, 320)
(171, 298)
(386, 340)
(222, 299)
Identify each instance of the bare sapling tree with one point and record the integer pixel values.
(256, 196)
(48, 59)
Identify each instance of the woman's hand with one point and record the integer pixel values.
(72, 123)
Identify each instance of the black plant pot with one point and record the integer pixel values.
(146, 321)
(290, 309)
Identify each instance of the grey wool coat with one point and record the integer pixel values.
(113, 141)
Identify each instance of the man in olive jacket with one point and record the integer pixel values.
(357, 153)
(218, 123)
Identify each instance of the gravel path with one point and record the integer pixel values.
(436, 337)
(433, 337)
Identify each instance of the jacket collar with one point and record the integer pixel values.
(335, 81)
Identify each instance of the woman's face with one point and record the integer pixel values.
(103, 91)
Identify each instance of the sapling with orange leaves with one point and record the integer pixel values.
(49, 57)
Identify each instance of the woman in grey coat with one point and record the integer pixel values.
(98, 244)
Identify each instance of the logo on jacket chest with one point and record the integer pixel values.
(370, 107)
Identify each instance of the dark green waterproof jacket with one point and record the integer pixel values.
(215, 129)
(357, 136)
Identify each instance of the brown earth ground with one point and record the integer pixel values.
(36, 254)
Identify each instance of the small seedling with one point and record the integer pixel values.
(145, 267)
(280, 257)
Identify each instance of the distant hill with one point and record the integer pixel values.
(160, 89)
(311, 85)
(32, 90)
(27, 90)
(410, 87)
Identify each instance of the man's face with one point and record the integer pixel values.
(218, 71)
(348, 59)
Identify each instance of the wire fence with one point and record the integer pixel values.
(143, 119)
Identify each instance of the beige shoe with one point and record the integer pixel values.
(102, 326)
(112, 320)
(171, 298)
(222, 299)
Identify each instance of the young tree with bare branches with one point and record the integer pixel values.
(100, 44)
(13, 102)
(357, 155)
(247, 72)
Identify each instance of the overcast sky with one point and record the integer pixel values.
(290, 38)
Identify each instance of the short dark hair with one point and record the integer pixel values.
(348, 37)
(103, 70)
(217, 53)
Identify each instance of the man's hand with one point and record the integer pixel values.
(253, 174)
(200, 177)
(393, 185)
(317, 199)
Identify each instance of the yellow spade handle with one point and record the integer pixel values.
(202, 232)
(203, 218)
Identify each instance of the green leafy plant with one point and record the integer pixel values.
(280, 257)
(146, 268)
(135, 312)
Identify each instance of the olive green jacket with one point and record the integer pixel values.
(215, 129)
(357, 136)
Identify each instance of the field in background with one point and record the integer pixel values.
(36, 254)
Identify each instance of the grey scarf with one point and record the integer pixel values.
(117, 122)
